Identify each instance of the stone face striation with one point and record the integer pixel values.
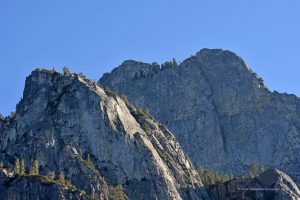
(272, 184)
(220, 111)
(72, 125)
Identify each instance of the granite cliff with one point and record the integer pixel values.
(34, 187)
(273, 184)
(110, 147)
(220, 111)
(99, 141)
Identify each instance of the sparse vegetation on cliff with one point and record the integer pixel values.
(51, 178)
(34, 168)
(66, 71)
(118, 193)
(169, 64)
(211, 177)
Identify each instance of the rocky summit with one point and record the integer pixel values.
(220, 111)
(75, 140)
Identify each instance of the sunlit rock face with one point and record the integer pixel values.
(65, 120)
(220, 111)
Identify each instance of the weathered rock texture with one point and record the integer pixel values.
(219, 110)
(62, 119)
(31, 188)
(270, 185)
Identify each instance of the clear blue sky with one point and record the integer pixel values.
(94, 36)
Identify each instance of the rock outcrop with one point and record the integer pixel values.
(270, 185)
(72, 125)
(34, 187)
(220, 111)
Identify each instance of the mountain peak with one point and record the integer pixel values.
(207, 51)
(223, 58)
(98, 140)
(218, 107)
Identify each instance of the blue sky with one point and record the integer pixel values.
(94, 36)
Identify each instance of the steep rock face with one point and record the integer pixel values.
(273, 184)
(63, 119)
(219, 110)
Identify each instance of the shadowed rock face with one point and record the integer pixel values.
(270, 185)
(61, 119)
(20, 188)
(219, 110)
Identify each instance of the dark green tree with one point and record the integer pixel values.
(210, 177)
(61, 178)
(22, 168)
(253, 171)
(17, 167)
(66, 71)
(34, 168)
(118, 193)
(174, 62)
(88, 158)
